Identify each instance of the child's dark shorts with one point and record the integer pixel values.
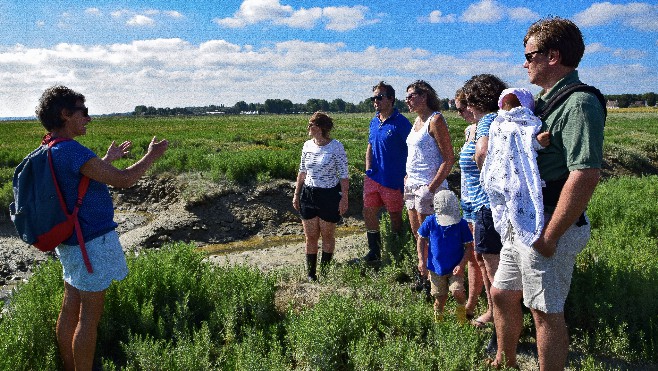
(320, 202)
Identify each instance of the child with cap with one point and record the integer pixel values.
(444, 242)
(510, 175)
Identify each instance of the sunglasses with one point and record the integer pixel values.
(461, 110)
(85, 110)
(378, 97)
(410, 96)
(530, 56)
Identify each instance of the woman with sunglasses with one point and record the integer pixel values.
(482, 93)
(321, 191)
(466, 164)
(430, 154)
(63, 114)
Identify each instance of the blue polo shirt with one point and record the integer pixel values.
(388, 140)
(446, 244)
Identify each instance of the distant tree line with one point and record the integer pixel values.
(275, 106)
(627, 100)
(286, 106)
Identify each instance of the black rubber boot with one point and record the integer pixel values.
(311, 266)
(374, 246)
(324, 262)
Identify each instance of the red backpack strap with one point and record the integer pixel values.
(82, 190)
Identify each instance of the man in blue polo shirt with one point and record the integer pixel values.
(386, 158)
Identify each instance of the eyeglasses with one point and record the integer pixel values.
(378, 97)
(85, 110)
(530, 56)
(410, 96)
(461, 110)
(312, 124)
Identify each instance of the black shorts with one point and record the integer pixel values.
(320, 202)
(487, 240)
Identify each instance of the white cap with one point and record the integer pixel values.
(524, 96)
(446, 207)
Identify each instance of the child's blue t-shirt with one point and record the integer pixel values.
(446, 244)
(96, 214)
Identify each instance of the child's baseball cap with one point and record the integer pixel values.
(524, 96)
(446, 207)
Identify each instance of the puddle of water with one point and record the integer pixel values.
(260, 242)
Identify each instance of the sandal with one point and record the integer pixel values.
(479, 324)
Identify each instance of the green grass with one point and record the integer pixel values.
(176, 311)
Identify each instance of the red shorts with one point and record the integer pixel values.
(376, 195)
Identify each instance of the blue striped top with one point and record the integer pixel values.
(473, 194)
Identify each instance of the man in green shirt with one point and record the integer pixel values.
(541, 274)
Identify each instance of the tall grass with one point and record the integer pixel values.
(176, 311)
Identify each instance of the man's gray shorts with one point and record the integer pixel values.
(544, 281)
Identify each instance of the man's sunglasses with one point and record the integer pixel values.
(85, 110)
(530, 56)
(378, 97)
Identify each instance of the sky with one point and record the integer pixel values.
(181, 53)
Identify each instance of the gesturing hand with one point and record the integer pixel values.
(115, 152)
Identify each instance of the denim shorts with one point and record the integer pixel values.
(487, 240)
(545, 282)
(107, 261)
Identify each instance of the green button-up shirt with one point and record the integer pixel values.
(576, 128)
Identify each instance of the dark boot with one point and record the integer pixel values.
(324, 262)
(311, 266)
(374, 246)
(492, 347)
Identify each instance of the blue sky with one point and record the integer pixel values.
(176, 53)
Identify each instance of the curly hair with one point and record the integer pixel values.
(461, 97)
(482, 92)
(425, 88)
(555, 33)
(323, 121)
(52, 102)
(390, 92)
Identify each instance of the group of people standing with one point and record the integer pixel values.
(522, 219)
(519, 238)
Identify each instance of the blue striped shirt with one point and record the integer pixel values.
(473, 194)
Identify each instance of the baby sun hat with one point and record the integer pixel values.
(524, 96)
(446, 207)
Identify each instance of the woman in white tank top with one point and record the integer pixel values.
(430, 154)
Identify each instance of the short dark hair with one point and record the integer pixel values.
(390, 92)
(52, 102)
(323, 121)
(555, 33)
(482, 91)
(423, 87)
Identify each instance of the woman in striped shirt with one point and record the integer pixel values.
(321, 191)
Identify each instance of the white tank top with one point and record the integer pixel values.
(424, 157)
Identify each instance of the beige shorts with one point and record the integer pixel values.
(441, 284)
(545, 282)
(419, 198)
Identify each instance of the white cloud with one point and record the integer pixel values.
(491, 11)
(640, 16)
(118, 77)
(346, 18)
(93, 11)
(436, 16)
(262, 11)
(140, 20)
(173, 14)
(627, 54)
